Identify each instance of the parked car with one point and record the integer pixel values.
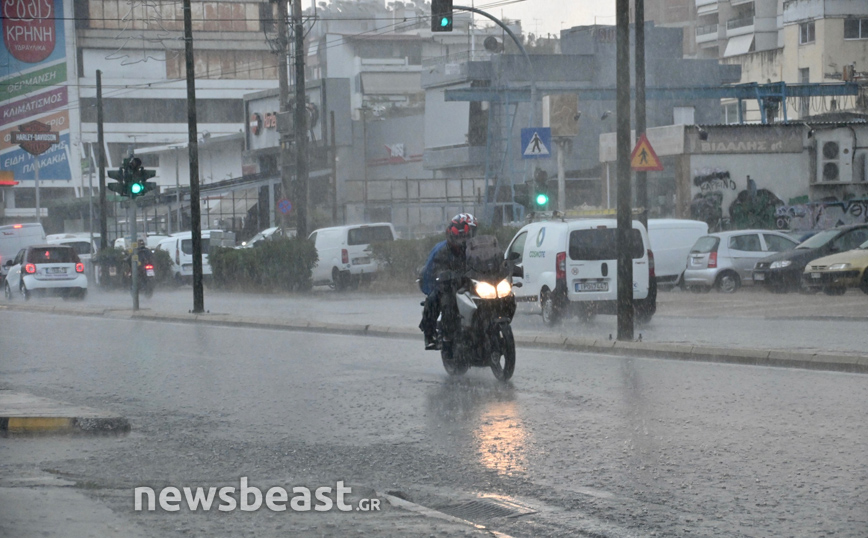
(268, 234)
(783, 271)
(671, 240)
(14, 237)
(570, 267)
(834, 274)
(45, 270)
(725, 260)
(344, 253)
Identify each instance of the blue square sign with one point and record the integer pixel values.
(536, 143)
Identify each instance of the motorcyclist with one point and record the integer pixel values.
(144, 254)
(447, 255)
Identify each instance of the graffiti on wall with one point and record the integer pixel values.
(713, 179)
(803, 215)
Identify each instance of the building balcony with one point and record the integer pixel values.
(741, 26)
(706, 33)
(704, 7)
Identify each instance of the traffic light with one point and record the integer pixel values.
(540, 189)
(138, 178)
(119, 175)
(441, 15)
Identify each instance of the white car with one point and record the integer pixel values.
(46, 270)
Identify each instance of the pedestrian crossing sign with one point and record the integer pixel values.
(536, 143)
(643, 158)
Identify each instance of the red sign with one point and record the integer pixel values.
(255, 123)
(28, 29)
(644, 158)
(35, 138)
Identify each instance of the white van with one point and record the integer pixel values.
(571, 267)
(671, 241)
(344, 253)
(180, 249)
(14, 237)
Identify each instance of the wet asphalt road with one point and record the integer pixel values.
(597, 445)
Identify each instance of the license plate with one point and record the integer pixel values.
(361, 261)
(759, 276)
(55, 270)
(150, 272)
(113, 271)
(592, 286)
(816, 275)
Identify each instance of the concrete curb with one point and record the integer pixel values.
(25, 414)
(757, 357)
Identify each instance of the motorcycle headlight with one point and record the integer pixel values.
(839, 266)
(486, 290)
(504, 288)
(780, 264)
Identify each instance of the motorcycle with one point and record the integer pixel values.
(479, 331)
(146, 278)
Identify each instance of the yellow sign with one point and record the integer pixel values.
(643, 158)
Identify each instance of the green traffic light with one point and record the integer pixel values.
(136, 188)
(444, 22)
(542, 199)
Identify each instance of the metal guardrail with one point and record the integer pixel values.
(707, 29)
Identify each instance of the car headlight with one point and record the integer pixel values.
(504, 288)
(780, 264)
(839, 266)
(486, 290)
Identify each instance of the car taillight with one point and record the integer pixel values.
(79, 267)
(30, 268)
(561, 266)
(345, 256)
(650, 264)
(149, 267)
(712, 260)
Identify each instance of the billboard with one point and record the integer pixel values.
(33, 85)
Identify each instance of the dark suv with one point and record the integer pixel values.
(783, 271)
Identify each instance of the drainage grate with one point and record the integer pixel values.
(485, 509)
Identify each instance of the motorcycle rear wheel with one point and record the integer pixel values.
(503, 353)
(452, 365)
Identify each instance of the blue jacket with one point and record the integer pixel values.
(441, 258)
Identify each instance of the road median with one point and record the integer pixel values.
(832, 361)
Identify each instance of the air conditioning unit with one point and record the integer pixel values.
(835, 156)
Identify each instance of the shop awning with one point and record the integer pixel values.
(740, 44)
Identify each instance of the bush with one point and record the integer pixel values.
(278, 265)
(105, 260)
(162, 266)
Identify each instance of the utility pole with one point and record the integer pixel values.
(300, 121)
(639, 57)
(283, 84)
(193, 138)
(103, 226)
(625, 262)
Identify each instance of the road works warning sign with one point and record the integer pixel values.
(643, 158)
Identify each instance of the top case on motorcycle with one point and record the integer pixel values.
(483, 255)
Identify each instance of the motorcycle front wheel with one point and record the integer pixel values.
(453, 365)
(502, 352)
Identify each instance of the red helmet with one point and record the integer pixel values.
(461, 228)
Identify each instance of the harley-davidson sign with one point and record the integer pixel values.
(35, 138)
(29, 29)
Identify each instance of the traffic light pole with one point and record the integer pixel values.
(134, 256)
